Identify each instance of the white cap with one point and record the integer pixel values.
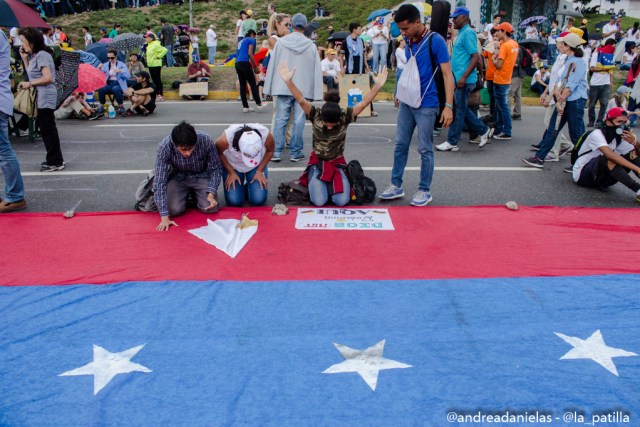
(250, 145)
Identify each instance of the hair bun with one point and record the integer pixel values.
(332, 96)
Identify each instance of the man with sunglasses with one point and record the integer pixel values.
(117, 76)
(187, 162)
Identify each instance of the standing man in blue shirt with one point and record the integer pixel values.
(13, 185)
(416, 34)
(464, 60)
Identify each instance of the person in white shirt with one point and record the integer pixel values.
(531, 32)
(489, 26)
(608, 154)
(630, 53)
(610, 30)
(401, 61)
(540, 80)
(600, 88)
(212, 43)
(620, 100)
(194, 43)
(379, 34)
(88, 38)
(239, 24)
(330, 70)
(633, 35)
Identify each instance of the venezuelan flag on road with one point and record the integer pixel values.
(461, 316)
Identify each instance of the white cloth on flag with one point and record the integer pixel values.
(225, 235)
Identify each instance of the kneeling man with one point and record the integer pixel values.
(187, 161)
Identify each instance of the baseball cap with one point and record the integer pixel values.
(331, 51)
(249, 12)
(571, 39)
(614, 16)
(577, 31)
(505, 26)
(616, 112)
(585, 21)
(250, 145)
(299, 21)
(380, 20)
(460, 11)
(623, 89)
(150, 35)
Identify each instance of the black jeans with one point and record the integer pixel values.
(50, 137)
(599, 94)
(246, 75)
(155, 77)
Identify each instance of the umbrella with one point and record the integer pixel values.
(28, 2)
(532, 44)
(339, 35)
(126, 42)
(536, 19)
(376, 13)
(601, 24)
(105, 40)
(99, 50)
(196, 29)
(90, 78)
(15, 14)
(89, 58)
(67, 75)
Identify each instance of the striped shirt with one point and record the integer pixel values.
(202, 163)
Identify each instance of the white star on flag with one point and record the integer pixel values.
(107, 365)
(367, 363)
(595, 349)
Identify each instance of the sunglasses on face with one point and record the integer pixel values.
(111, 57)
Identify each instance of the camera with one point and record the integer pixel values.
(622, 128)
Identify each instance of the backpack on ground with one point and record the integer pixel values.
(364, 189)
(144, 194)
(576, 148)
(293, 193)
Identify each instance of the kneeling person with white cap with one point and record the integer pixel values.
(245, 151)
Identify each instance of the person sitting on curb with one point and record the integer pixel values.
(608, 154)
(325, 174)
(117, 76)
(135, 67)
(142, 95)
(187, 161)
(245, 151)
(75, 104)
(198, 71)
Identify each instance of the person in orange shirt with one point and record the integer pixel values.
(487, 55)
(504, 60)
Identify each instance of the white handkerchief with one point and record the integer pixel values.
(225, 235)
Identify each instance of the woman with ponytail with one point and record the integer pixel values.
(325, 174)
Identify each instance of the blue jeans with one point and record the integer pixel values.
(503, 116)
(465, 116)
(286, 106)
(112, 87)
(552, 53)
(170, 60)
(398, 74)
(212, 54)
(573, 115)
(13, 185)
(319, 193)
(236, 196)
(408, 119)
(49, 9)
(379, 51)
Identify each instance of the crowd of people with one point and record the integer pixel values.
(191, 162)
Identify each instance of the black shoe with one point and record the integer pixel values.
(45, 167)
(568, 169)
(534, 162)
(565, 151)
(598, 124)
(502, 135)
(516, 117)
(590, 124)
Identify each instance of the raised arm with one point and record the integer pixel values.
(287, 76)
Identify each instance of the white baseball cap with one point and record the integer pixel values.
(250, 145)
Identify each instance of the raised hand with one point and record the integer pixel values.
(285, 73)
(381, 77)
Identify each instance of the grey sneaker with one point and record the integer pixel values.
(421, 198)
(484, 139)
(391, 192)
(551, 158)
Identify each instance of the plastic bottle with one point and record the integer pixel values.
(112, 112)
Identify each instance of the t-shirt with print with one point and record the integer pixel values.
(233, 156)
(425, 68)
(509, 54)
(332, 68)
(328, 144)
(243, 49)
(47, 94)
(598, 78)
(465, 45)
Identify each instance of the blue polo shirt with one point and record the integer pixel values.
(466, 44)
(441, 55)
(243, 49)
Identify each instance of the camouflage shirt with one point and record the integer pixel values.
(328, 144)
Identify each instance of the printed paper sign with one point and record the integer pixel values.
(335, 218)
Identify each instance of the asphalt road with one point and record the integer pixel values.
(107, 158)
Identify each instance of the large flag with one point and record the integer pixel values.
(546, 350)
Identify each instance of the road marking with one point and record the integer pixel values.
(150, 125)
(294, 169)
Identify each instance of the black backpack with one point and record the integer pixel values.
(364, 189)
(442, 94)
(576, 148)
(293, 193)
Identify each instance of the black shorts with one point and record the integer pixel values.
(596, 174)
(150, 107)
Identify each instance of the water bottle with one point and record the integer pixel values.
(112, 112)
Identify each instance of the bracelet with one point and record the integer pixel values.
(448, 105)
(260, 172)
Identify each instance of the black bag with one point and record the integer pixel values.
(442, 93)
(364, 189)
(144, 194)
(293, 193)
(576, 148)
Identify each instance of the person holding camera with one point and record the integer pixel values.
(608, 154)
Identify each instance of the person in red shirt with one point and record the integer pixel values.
(198, 71)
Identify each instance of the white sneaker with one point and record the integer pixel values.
(485, 138)
(247, 110)
(551, 158)
(445, 146)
